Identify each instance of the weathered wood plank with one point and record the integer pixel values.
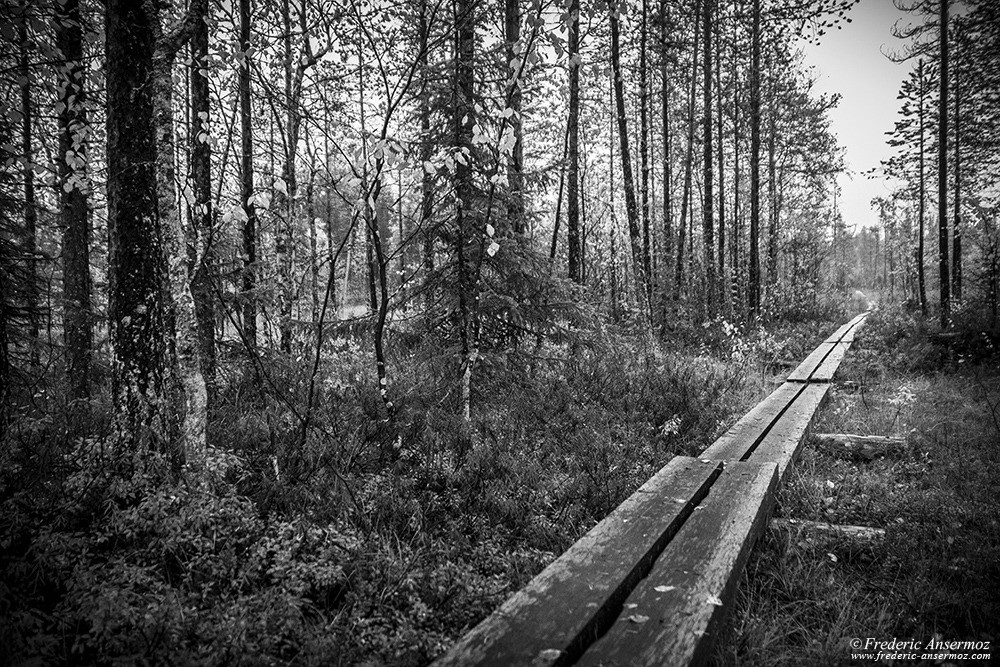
(672, 617)
(845, 333)
(839, 334)
(805, 370)
(826, 369)
(572, 601)
(784, 441)
(745, 433)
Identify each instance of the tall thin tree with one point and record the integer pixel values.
(75, 221)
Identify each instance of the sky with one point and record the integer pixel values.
(850, 61)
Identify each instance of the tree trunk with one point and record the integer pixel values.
(772, 183)
(708, 221)
(626, 160)
(689, 159)
(186, 415)
(285, 200)
(515, 163)
(722, 283)
(668, 232)
(945, 276)
(734, 243)
(72, 164)
(464, 119)
(137, 271)
(201, 254)
(426, 152)
(573, 147)
(644, 149)
(246, 185)
(754, 268)
(956, 265)
(920, 205)
(30, 232)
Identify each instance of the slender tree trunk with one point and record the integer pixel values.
(559, 198)
(689, 158)
(708, 221)
(246, 184)
(668, 232)
(734, 244)
(626, 159)
(772, 191)
(722, 283)
(201, 252)
(956, 265)
(313, 253)
(426, 152)
(515, 163)
(73, 187)
(573, 138)
(945, 276)
(754, 268)
(644, 148)
(187, 415)
(921, 213)
(30, 233)
(465, 39)
(285, 201)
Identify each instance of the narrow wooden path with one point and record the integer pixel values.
(650, 584)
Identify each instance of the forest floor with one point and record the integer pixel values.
(936, 574)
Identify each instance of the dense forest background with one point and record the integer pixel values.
(326, 324)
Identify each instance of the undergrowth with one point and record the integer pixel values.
(364, 536)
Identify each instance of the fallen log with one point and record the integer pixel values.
(858, 447)
(821, 531)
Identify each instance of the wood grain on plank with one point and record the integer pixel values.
(785, 439)
(672, 617)
(745, 433)
(553, 619)
(845, 333)
(805, 370)
(825, 371)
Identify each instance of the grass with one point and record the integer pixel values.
(937, 572)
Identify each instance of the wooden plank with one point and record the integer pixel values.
(572, 601)
(828, 367)
(784, 441)
(672, 617)
(845, 333)
(745, 433)
(839, 334)
(805, 370)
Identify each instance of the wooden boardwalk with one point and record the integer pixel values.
(652, 582)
